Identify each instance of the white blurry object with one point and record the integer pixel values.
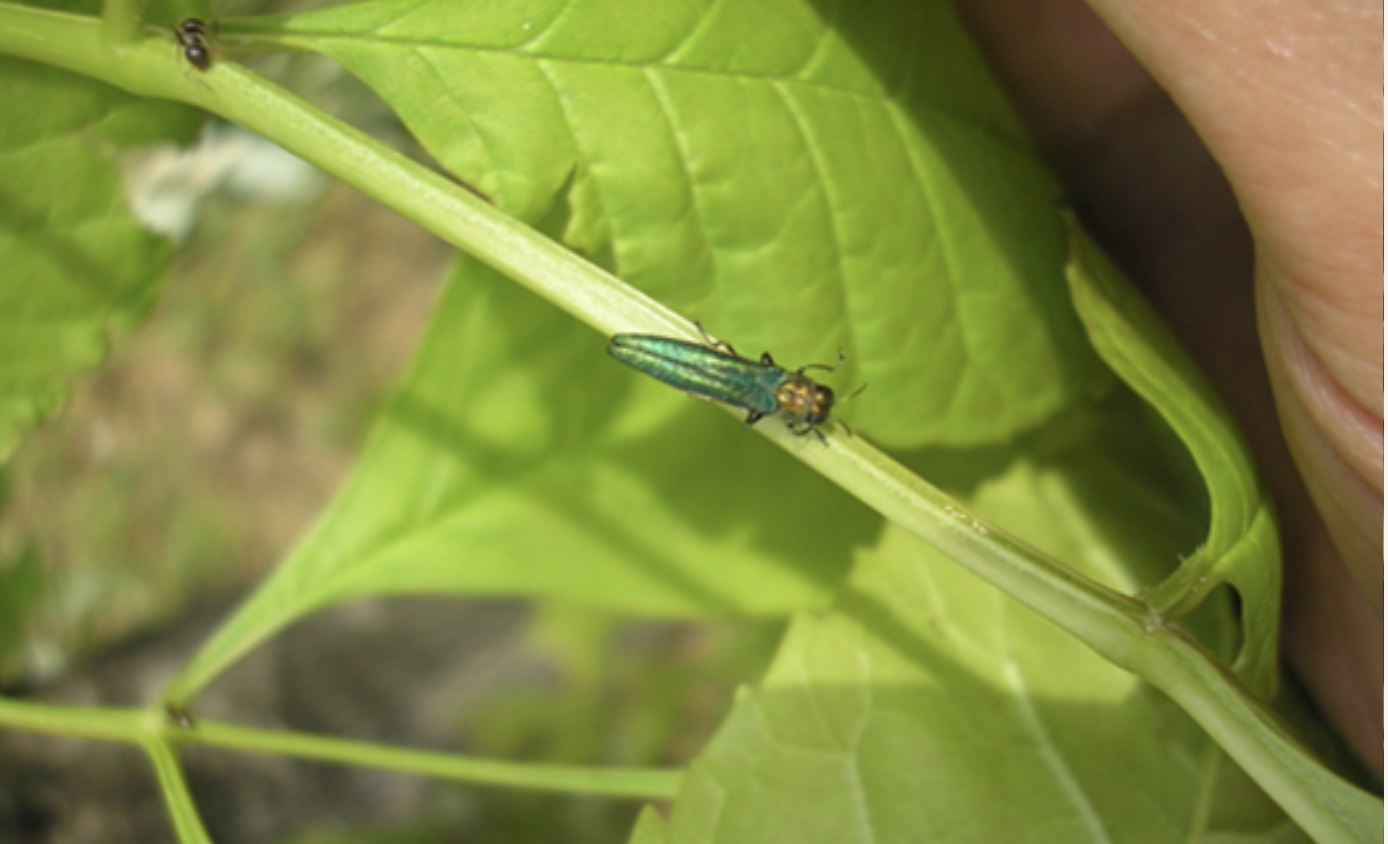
(166, 183)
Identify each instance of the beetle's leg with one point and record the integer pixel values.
(843, 358)
(714, 343)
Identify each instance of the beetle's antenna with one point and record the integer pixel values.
(851, 396)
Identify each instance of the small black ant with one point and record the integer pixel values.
(191, 35)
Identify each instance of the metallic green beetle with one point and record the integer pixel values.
(716, 371)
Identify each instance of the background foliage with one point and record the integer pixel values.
(800, 177)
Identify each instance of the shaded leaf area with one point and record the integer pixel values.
(800, 179)
(928, 706)
(1242, 546)
(77, 264)
(520, 460)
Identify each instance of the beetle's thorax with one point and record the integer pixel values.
(803, 402)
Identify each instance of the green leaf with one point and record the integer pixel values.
(77, 263)
(928, 706)
(1242, 546)
(649, 828)
(797, 183)
(513, 463)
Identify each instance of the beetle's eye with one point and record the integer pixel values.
(823, 400)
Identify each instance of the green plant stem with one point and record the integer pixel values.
(182, 810)
(156, 733)
(1123, 630)
(641, 783)
(1325, 806)
(122, 725)
(120, 22)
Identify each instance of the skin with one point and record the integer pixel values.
(1229, 155)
